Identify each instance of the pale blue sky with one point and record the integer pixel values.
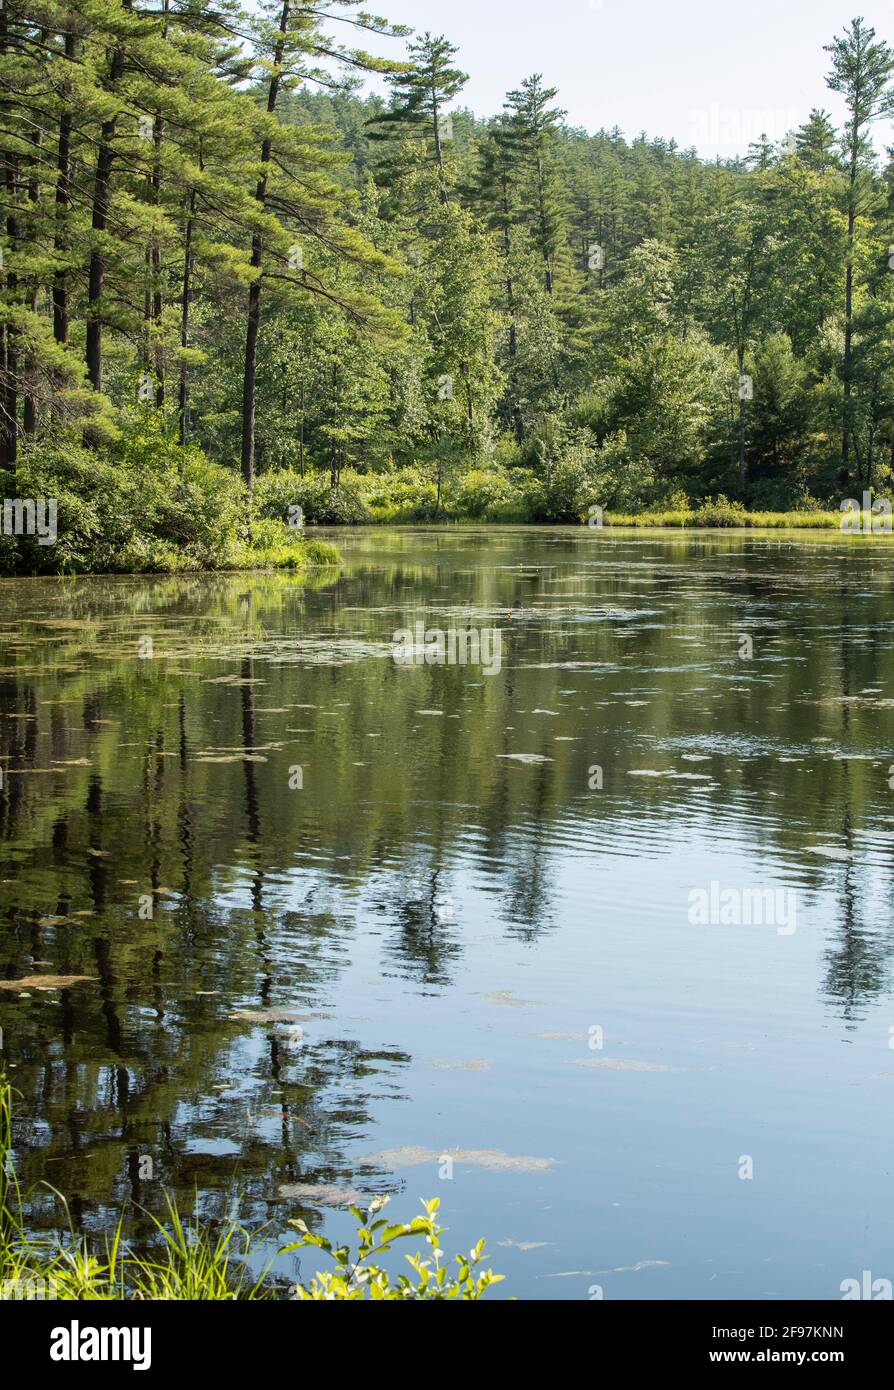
(709, 73)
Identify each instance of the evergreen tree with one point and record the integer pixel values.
(816, 142)
(861, 74)
(293, 189)
(532, 129)
(419, 98)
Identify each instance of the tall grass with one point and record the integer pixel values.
(705, 518)
(192, 1264)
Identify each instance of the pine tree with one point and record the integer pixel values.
(294, 189)
(816, 142)
(533, 126)
(418, 101)
(861, 74)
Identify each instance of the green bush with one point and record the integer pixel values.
(406, 495)
(625, 483)
(141, 503)
(279, 493)
(481, 495)
(566, 492)
(356, 1278)
(102, 510)
(720, 511)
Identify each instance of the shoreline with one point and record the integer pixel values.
(328, 557)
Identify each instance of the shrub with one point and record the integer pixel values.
(404, 495)
(356, 1278)
(481, 495)
(144, 504)
(720, 511)
(565, 495)
(278, 493)
(101, 509)
(275, 545)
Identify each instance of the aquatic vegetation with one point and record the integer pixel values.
(193, 1263)
(412, 1155)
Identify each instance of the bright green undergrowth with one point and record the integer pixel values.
(569, 494)
(716, 517)
(139, 505)
(192, 1263)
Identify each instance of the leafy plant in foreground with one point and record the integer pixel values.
(199, 1264)
(356, 1278)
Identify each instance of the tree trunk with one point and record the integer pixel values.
(301, 436)
(439, 148)
(847, 366)
(741, 420)
(9, 425)
(63, 200)
(101, 200)
(8, 362)
(543, 234)
(157, 287)
(158, 362)
(29, 404)
(250, 373)
(185, 298)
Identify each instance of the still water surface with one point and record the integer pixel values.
(301, 992)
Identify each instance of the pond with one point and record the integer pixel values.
(585, 929)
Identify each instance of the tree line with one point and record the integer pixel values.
(212, 234)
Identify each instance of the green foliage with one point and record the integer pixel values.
(357, 1277)
(210, 265)
(405, 495)
(566, 491)
(281, 494)
(483, 495)
(724, 514)
(720, 512)
(628, 490)
(146, 507)
(194, 1264)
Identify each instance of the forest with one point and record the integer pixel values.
(241, 292)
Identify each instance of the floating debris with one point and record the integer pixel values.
(613, 1064)
(322, 1195)
(476, 1064)
(411, 1157)
(45, 982)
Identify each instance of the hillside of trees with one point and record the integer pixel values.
(234, 284)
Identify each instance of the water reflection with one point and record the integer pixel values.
(407, 948)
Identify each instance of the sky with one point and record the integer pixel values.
(707, 73)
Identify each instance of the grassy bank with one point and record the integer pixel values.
(708, 518)
(141, 505)
(568, 496)
(191, 1263)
